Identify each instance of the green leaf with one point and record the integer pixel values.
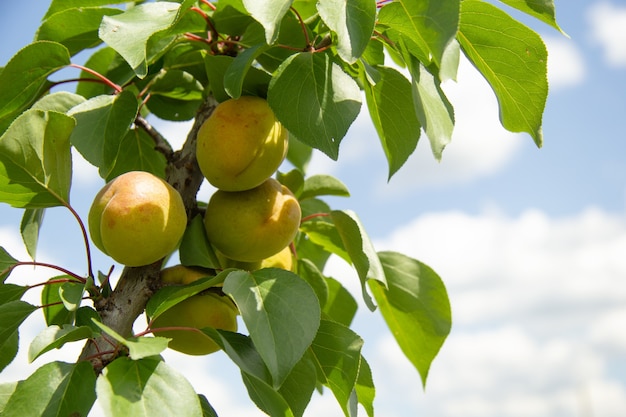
(309, 272)
(29, 229)
(365, 390)
(56, 389)
(136, 153)
(391, 108)
(238, 70)
(265, 397)
(340, 305)
(360, 249)
(294, 180)
(35, 160)
(12, 314)
(145, 388)
(101, 125)
(57, 6)
(299, 154)
(169, 296)
(318, 185)
(352, 21)
(11, 292)
(60, 101)
(108, 63)
(430, 24)
(24, 78)
(513, 59)
(207, 409)
(434, 111)
(195, 249)
(415, 307)
(128, 33)
(54, 310)
(6, 262)
(55, 337)
(77, 28)
(71, 294)
(6, 390)
(138, 347)
(541, 9)
(315, 100)
(324, 234)
(177, 84)
(8, 351)
(87, 316)
(281, 312)
(337, 352)
(269, 13)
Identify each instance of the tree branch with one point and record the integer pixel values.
(136, 285)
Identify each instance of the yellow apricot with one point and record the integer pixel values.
(241, 144)
(254, 224)
(137, 218)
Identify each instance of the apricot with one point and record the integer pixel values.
(137, 218)
(241, 144)
(209, 308)
(255, 224)
(283, 259)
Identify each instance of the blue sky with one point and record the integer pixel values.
(531, 243)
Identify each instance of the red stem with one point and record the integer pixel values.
(47, 265)
(313, 216)
(108, 82)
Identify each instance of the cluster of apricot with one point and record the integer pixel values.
(251, 219)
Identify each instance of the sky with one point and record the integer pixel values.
(530, 243)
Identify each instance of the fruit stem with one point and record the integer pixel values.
(313, 216)
(104, 79)
(85, 239)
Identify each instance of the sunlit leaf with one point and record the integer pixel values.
(320, 185)
(56, 389)
(337, 352)
(352, 21)
(315, 100)
(365, 390)
(390, 104)
(57, 6)
(53, 309)
(513, 59)
(281, 312)
(195, 249)
(24, 78)
(269, 13)
(81, 34)
(416, 308)
(54, 337)
(35, 160)
(12, 314)
(138, 347)
(145, 388)
(137, 153)
(541, 9)
(6, 262)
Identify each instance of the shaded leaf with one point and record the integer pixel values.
(137, 153)
(513, 59)
(57, 6)
(109, 63)
(365, 390)
(12, 314)
(6, 262)
(238, 70)
(391, 108)
(265, 397)
(35, 160)
(53, 309)
(138, 347)
(207, 409)
(352, 21)
(29, 229)
(55, 389)
(8, 351)
(280, 311)
(315, 100)
(309, 272)
(76, 28)
(54, 337)
(145, 388)
(195, 249)
(415, 307)
(24, 78)
(340, 305)
(11, 292)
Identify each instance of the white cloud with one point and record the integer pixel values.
(566, 66)
(608, 29)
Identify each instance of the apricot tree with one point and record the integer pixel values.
(315, 63)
